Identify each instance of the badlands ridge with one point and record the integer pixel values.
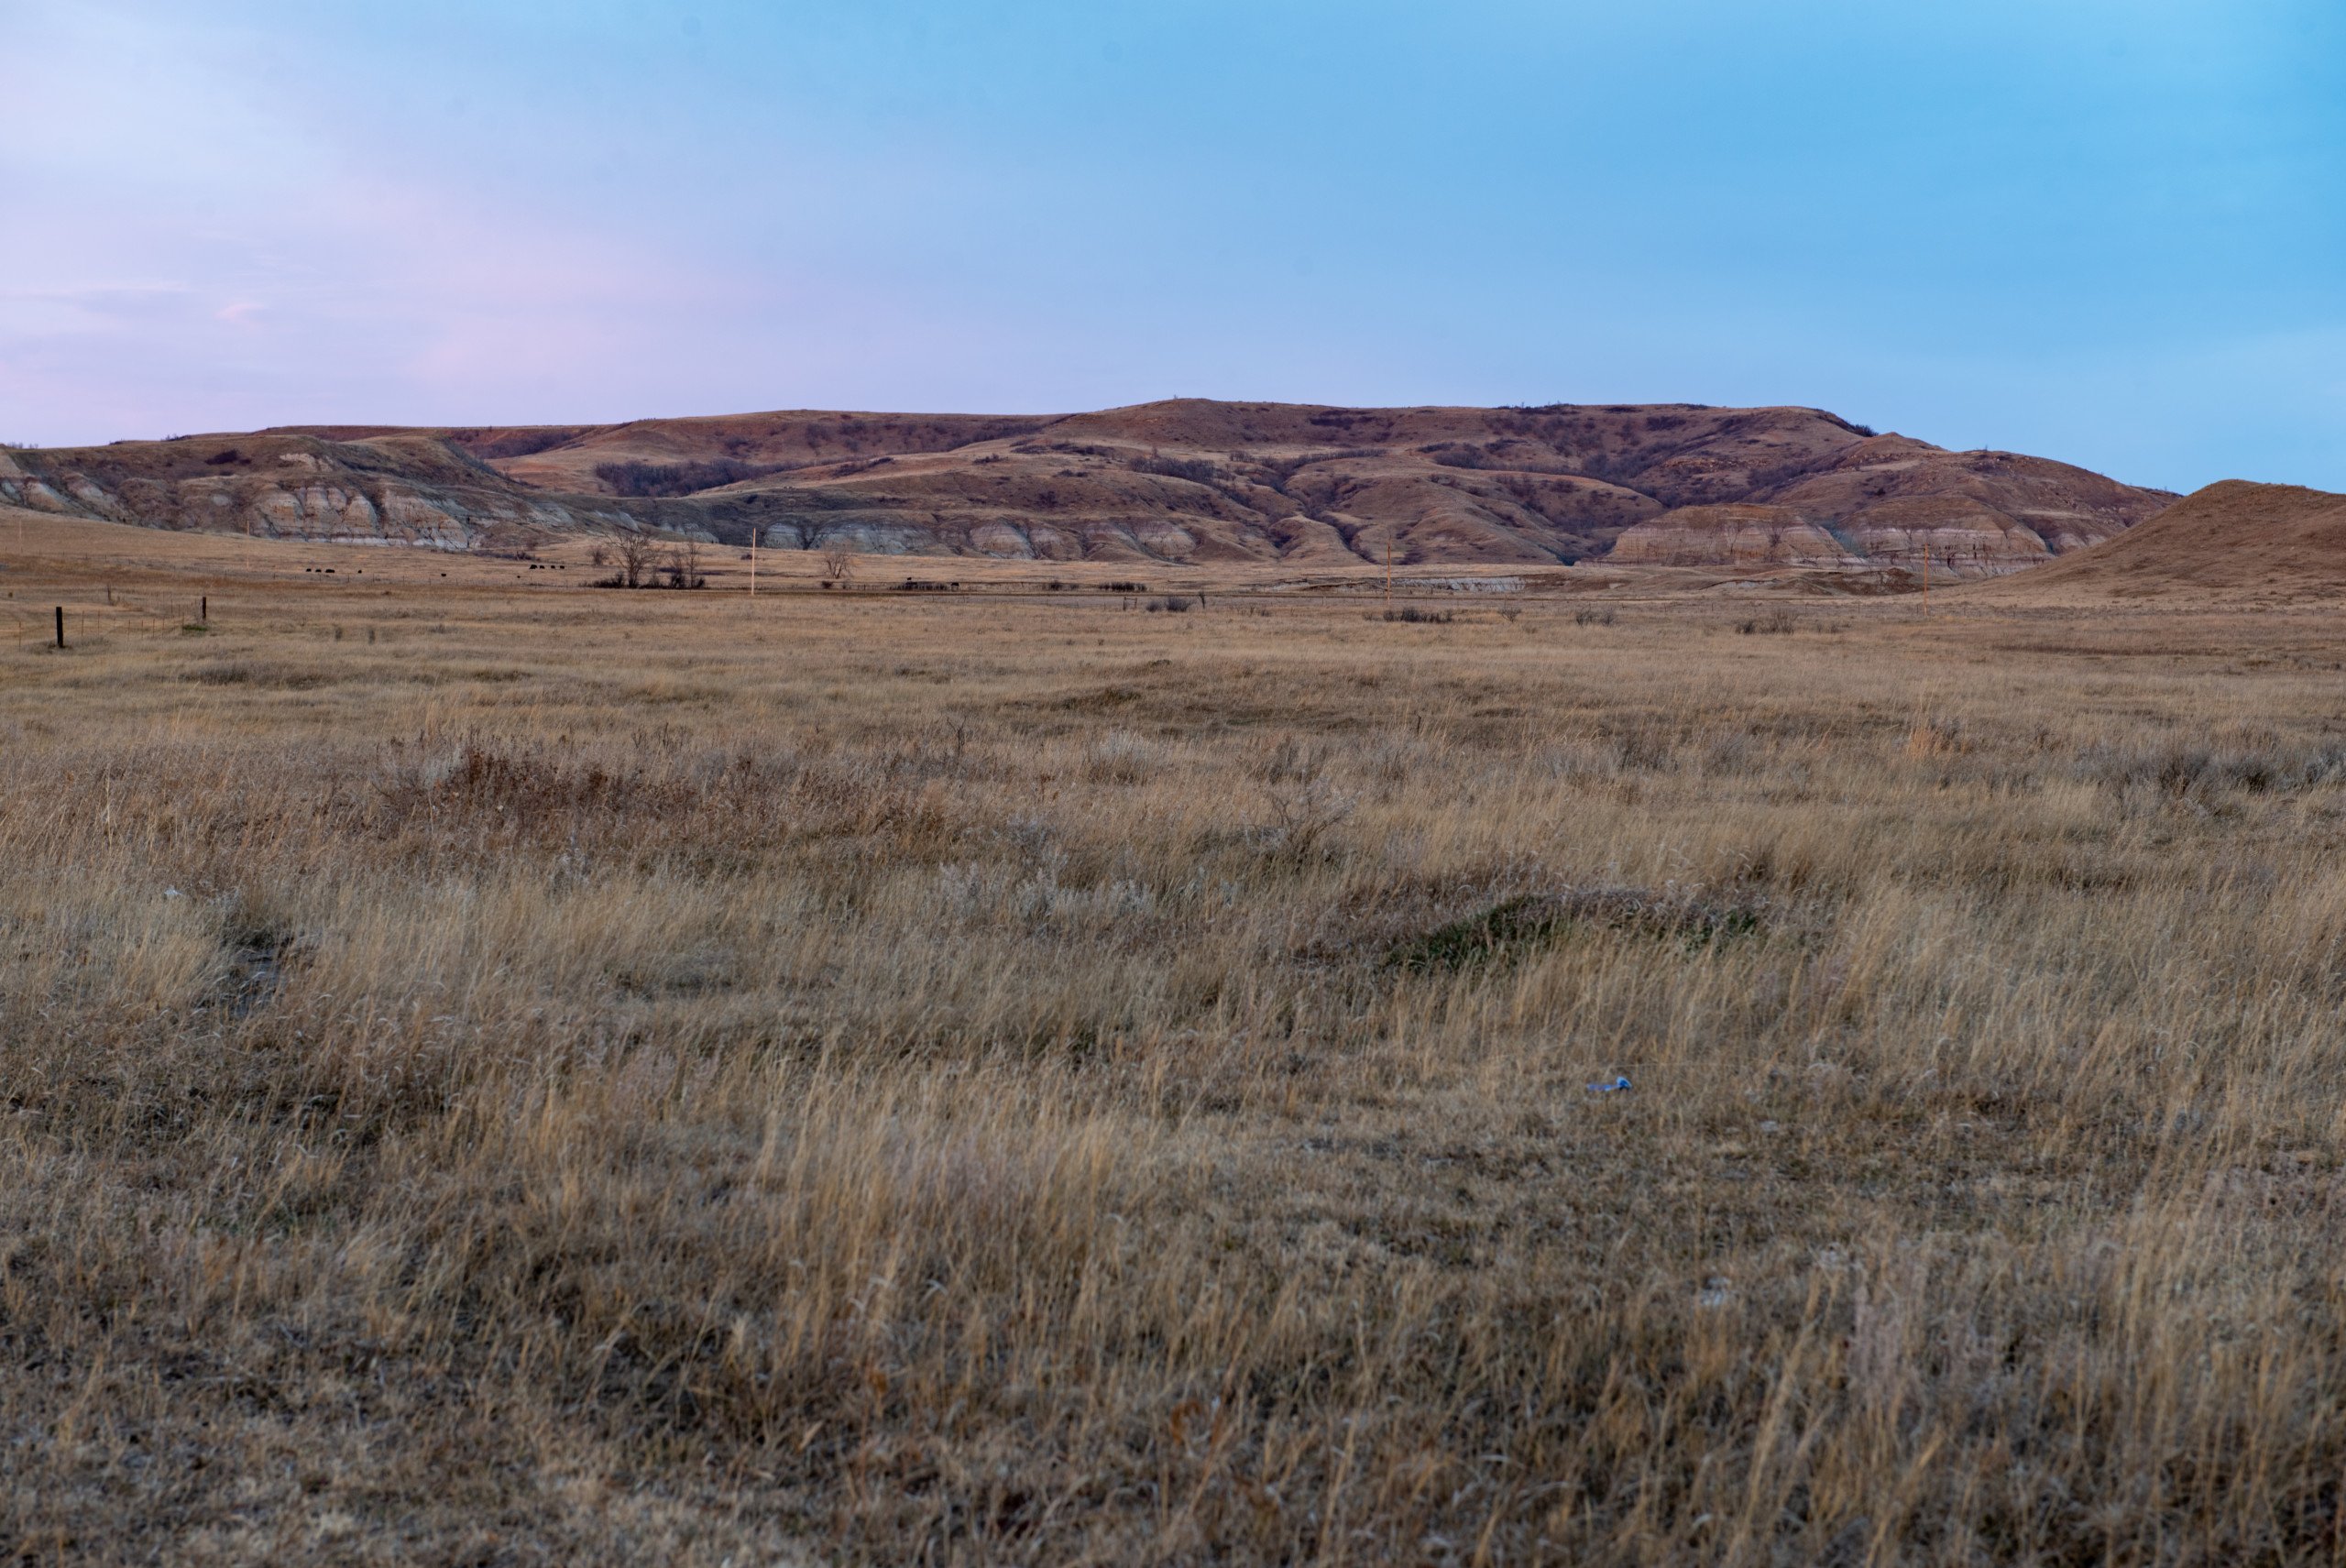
(1183, 481)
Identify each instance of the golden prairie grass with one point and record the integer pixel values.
(618, 1077)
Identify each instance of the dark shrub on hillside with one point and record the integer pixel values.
(487, 444)
(637, 478)
(1196, 469)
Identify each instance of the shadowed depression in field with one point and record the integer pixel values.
(495, 1072)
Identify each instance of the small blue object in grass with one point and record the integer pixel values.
(1616, 1087)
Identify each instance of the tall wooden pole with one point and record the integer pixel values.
(753, 559)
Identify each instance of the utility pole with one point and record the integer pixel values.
(753, 559)
(1389, 570)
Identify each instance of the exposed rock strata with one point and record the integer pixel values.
(1738, 534)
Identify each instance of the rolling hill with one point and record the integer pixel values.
(1186, 480)
(2232, 542)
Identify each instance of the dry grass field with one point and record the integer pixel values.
(496, 1073)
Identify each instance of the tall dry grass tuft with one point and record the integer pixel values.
(890, 1082)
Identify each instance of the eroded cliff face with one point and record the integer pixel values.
(1740, 535)
(1953, 534)
(1179, 481)
(296, 486)
(1891, 502)
(1970, 513)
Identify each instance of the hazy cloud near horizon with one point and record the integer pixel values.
(2108, 232)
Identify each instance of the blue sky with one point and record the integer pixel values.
(2113, 233)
